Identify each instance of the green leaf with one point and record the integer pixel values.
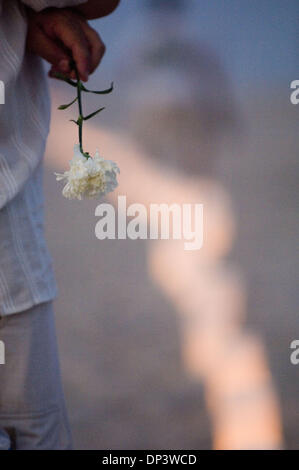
(62, 77)
(65, 106)
(93, 114)
(101, 92)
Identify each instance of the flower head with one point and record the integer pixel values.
(88, 177)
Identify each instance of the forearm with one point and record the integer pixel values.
(96, 8)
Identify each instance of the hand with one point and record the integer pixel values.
(61, 34)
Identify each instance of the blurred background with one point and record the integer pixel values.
(163, 348)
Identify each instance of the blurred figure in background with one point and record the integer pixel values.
(179, 108)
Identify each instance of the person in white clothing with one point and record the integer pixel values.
(32, 410)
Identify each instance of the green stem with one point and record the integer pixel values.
(80, 119)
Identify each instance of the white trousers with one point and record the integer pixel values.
(32, 409)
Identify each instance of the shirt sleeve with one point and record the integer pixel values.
(39, 5)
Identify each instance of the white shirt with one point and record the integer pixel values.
(26, 276)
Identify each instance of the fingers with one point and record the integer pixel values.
(61, 35)
(96, 46)
(72, 36)
(42, 45)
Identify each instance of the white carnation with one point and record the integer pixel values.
(88, 177)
